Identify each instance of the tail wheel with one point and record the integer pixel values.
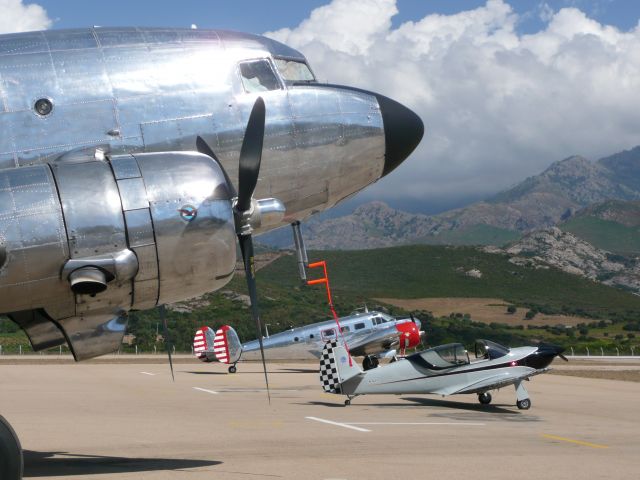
(232, 369)
(484, 398)
(10, 453)
(524, 404)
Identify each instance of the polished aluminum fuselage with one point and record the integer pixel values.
(308, 341)
(151, 90)
(118, 95)
(408, 376)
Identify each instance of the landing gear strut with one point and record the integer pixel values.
(484, 398)
(370, 362)
(10, 453)
(522, 397)
(232, 369)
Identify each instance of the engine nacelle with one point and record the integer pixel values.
(83, 242)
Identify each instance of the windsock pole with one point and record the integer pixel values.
(325, 280)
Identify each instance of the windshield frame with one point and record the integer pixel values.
(297, 60)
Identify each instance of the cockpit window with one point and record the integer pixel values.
(445, 356)
(258, 76)
(294, 70)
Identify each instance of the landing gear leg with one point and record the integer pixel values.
(11, 463)
(232, 368)
(523, 402)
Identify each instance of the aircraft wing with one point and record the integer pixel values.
(491, 382)
(375, 342)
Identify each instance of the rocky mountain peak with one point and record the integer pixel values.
(567, 252)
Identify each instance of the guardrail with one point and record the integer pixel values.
(62, 350)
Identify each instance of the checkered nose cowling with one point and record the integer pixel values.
(328, 369)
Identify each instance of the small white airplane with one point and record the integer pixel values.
(369, 334)
(443, 370)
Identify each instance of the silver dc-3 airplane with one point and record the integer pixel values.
(443, 370)
(133, 159)
(369, 334)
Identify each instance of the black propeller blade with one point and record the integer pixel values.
(250, 158)
(249, 169)
(165, 334)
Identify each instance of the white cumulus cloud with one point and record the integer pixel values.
(15, 16)
(498, 105)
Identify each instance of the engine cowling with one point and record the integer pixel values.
(83, 242)
(410, 335)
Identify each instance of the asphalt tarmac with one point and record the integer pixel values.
(130, 421)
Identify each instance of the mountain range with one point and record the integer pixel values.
(598, 201)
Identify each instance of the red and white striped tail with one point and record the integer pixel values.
(221, 345)
(203, 344)
(226, 345)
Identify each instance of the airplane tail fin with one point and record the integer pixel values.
(226, 345)
(203, 344)
(222, 345)
(335, 368)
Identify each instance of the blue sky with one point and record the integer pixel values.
(259, 16)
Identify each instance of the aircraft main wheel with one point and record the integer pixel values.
(484, 398)
(233, 369)
(367, 363)
(10, 453)
(347, 402)
(524, 404)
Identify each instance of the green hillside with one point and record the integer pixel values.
(403, 272)
(437, 271)
(605, 234)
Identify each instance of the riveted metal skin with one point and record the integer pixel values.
(120, 220)
(133, 90)
(198, 255)
(106, 178)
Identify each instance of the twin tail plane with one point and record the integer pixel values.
(369, 334)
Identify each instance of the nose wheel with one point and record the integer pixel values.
(10, 452)
(484, 398)
(524, 404)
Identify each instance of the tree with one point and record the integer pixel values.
(511, 309)
(530, 314)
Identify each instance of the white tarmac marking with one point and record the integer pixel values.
(205, 390)
(344, 425)
(147, 373)
(416, 423)
(251, 390)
